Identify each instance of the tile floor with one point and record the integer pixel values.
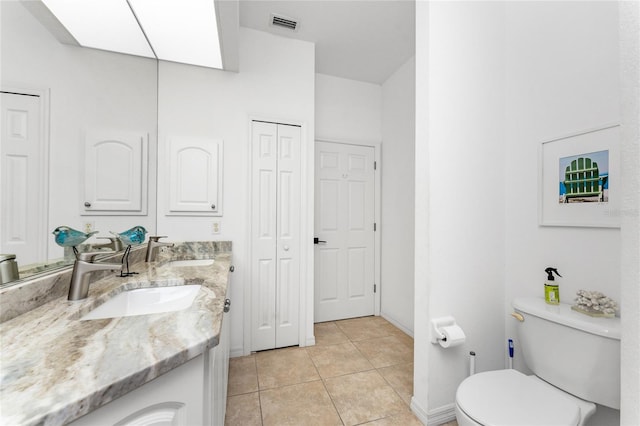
(359, 372)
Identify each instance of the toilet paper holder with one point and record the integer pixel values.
(437, 324)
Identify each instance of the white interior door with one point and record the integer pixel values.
(344, 223)
(23, 214)
(275, 214)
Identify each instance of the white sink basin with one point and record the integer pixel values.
(143, 301)
(191, 262)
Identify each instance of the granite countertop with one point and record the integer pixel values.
(55, 368)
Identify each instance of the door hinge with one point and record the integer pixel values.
(375, 165)
(374, 288)
(375, 227)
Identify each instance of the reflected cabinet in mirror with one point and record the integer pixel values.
(79, 138)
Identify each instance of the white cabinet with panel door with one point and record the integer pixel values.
(275, 235)
(218, 371)
(195, 176)
(115, 173)
(175, 398)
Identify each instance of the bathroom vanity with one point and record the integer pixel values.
(58, 368)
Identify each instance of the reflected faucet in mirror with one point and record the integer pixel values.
(8, 268)
(114, 244)
(154, 242)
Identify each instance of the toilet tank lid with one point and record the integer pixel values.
(563, 314)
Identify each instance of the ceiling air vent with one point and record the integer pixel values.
(281, 21)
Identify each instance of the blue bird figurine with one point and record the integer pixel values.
(69, 237)
(133, 236)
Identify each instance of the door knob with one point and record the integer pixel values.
(317, 240)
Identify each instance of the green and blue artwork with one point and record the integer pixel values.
(584, 178)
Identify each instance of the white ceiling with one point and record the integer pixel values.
(365, 40)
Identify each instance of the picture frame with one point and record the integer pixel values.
(579, 182)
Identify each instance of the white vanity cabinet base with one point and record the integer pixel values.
(175, 399)
(218, 374)
(194, 393)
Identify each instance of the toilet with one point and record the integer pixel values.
(575, 360)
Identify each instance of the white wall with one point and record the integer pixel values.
(558, 81)
(88, 89)
(276, 82)
(464, 109)
(630, 231)
(398, 207)
(348, 110)
(422, 260)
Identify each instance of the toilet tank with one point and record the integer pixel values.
(574, 352)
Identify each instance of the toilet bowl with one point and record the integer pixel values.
(510, 398)
(575, 360)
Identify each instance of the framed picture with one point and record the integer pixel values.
(580, 179)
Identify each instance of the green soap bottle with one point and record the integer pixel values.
(551, 289)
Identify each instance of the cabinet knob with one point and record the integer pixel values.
(227, 305)
(232, 268)
(286, 248)
(87, 204)
(213, 206)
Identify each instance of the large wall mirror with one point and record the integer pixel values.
(62, 94)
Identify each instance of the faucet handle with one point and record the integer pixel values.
(156, 238)
(88, 256)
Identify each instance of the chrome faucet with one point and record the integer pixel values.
(152, 245)
(114, 244)
(83, 266)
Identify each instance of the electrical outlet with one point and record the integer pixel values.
(88, 227)
(215, 227)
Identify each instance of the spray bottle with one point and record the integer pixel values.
(551, 289)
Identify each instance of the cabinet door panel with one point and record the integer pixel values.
(195, 176)
(115, 172)
(177, 395)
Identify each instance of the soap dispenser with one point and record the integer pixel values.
(551, 289)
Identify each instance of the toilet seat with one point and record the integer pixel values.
(509, 398)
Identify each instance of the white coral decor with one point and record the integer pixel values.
(595, 301)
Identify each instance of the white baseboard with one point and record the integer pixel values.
(438, 416)
(396, 323)
(417, 409)
(236, 352)
(441, 415)
(311, 341)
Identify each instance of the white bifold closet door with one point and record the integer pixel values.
(275, 234)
